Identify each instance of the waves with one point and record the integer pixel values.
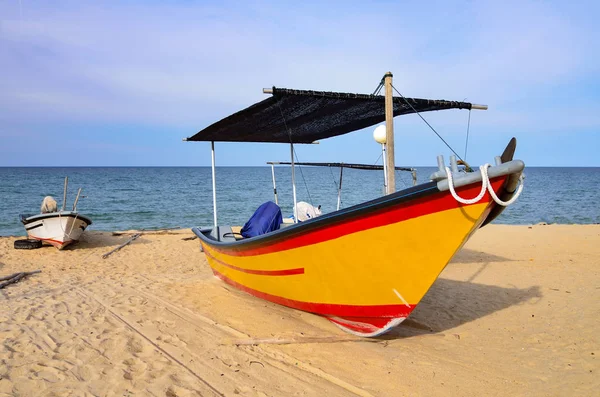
(119, 198)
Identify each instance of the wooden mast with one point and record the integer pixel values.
(389, 130)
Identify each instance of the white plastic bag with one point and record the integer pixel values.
(307, 211)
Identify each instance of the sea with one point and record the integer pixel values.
(124, 198)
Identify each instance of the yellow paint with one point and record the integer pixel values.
(363, 268)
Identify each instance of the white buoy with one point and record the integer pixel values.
(380, 134)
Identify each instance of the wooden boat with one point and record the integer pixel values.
(57, 228)
(365, 268)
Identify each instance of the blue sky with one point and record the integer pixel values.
(122, 82)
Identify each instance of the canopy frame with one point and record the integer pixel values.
(341, 166)
(329, 114)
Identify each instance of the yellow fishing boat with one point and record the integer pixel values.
(365, 268)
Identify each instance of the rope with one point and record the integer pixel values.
(429, 125)
(295, 154)
(485, 185)
(401, 178)
(68, 234)
(304, 180)
(377, 161)
(333, 177)
(379, 87)
(512, 199)
(467, 140)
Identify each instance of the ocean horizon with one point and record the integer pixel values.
(145, 197)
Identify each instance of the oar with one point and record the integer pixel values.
(135, 236)
(15, 278)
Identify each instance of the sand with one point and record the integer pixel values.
(515, 313)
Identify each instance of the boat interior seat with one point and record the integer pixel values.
(224, 234)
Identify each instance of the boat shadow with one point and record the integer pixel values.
(466, 255)
(104, 240)
(451, 303)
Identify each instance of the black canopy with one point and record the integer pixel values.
(306, 116)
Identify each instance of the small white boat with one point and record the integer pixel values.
(57, 228)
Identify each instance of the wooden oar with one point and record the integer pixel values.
(135, 236)
(15, 278)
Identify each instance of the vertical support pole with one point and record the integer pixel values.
(214, 182)
(340, 189)
(453, 164)
(274, 185)
(385, 176)
(294, 183)
(76, 200)
(389, 128)
(441, 165)
(65, 193)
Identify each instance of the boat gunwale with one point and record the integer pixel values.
(58, 214)
(356, 211)
(300, 228)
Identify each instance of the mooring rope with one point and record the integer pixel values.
(485, 185)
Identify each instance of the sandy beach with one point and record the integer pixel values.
(515, 313)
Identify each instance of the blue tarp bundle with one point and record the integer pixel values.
(266, 218)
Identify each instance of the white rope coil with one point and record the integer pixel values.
(485, 184)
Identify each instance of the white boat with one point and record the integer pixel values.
(57, 228)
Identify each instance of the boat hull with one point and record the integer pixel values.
(365, 268)
(59, 229)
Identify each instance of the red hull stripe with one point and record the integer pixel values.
(356, 322)
(327, 309)
(51, 240)
(284, 272)
(427, 205)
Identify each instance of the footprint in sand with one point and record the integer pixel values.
(176, 391)
(135, 345)
(135, 368)
(172, 340)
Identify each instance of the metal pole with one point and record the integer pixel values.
(274, 185)
(389, 128)
(76, 200)
(340, 189)
(214, 182)
(65, 193)
(294, 183)
(385, 176)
